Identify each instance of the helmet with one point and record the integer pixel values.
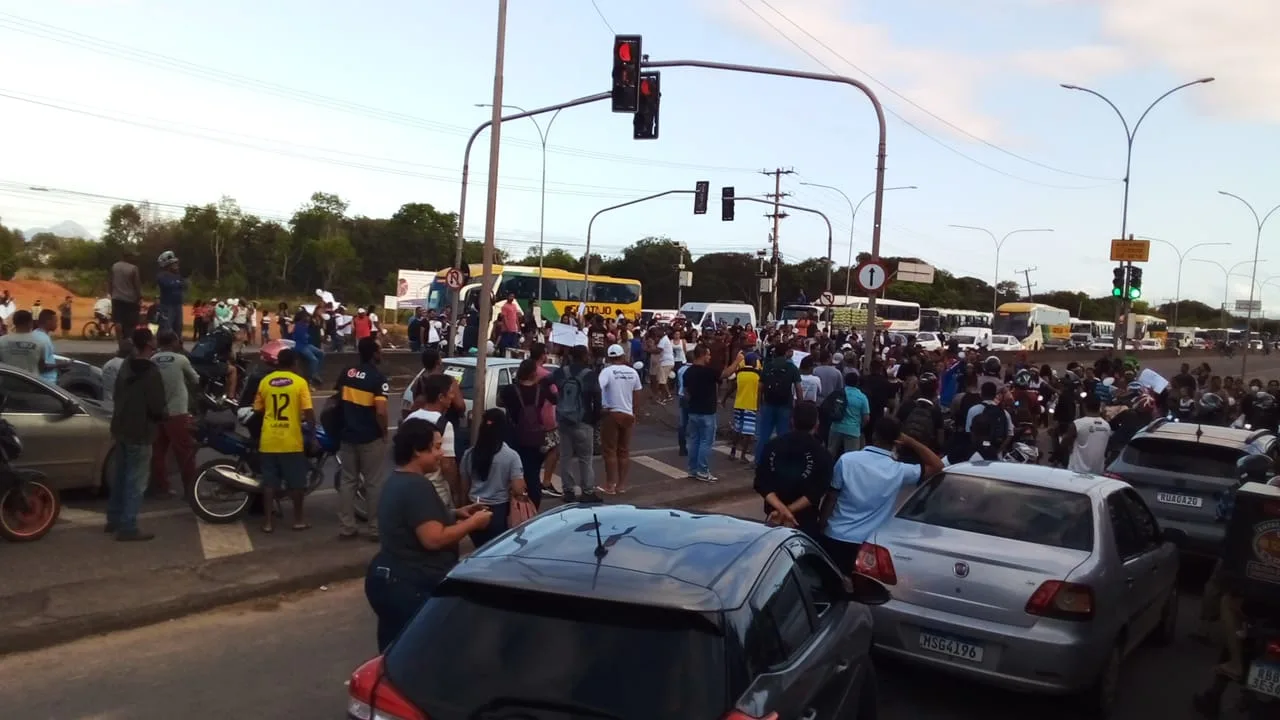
(270, 353)
(1264, 400)
(992, 365)
(167, 258)
(1210, 402)
(1022, 379)
(1254, 467)
(1025, 453)
(928, 377)
(1069, 377)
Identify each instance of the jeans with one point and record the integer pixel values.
(171, 318)
(577, 447)
(497, 526)
(531, 463)
(683, 427)
(338, 343)
(395, 597)
(313, 356)
(133, 462)
(175, 434)
(771, 419)
(701, 434)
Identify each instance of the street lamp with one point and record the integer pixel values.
(1182, 256)
(1129, 134)
(995, 293)
(853, 217)
(1227, 272)
(542, 209)
(1257, 245)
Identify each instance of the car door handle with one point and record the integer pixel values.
(810, 714)
(1129, 581)
(842, 666)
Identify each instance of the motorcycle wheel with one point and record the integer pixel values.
(214, 502)
(28, 511)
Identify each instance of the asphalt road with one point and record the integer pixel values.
(290, 657)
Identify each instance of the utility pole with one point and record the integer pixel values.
(777, 215)
(760, 276)
(680, 279)
(1026, 274)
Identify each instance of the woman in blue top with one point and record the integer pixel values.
(302, 345)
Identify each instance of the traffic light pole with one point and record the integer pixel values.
(869, 338)
(586, 258)
(462, 201)
(801, 209)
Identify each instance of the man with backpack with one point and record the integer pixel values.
(996, 420)
(959, 444)
(849, 413)
(438, 393)
(577, 412)
(921, 418)
(780, 389)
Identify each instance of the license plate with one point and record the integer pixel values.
(1264, 679)
(1181, 500)
(951, 647)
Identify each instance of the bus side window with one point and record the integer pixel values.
(553, 289)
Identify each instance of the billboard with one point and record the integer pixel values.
(414, 284)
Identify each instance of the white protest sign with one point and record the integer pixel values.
(797, 356)
(567, 335)
(1153, 380)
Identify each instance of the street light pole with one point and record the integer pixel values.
(995, 281)
(1227, 272)
(1257, 246)
(1182, 256)
(853, 218)
(1129, 134)
(542, 208)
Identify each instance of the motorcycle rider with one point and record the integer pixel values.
(1258, 410)
(1211, 410)
(1026, 401)
(172, 286)
(216, 358)
(992, 373)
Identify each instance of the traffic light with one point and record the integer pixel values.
(1135, 282)
(626, 73)
(646, 118)
(1117, 282)
(700, 192)
(726, 204)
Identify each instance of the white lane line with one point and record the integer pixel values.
(217, 541)
(660, 467)
(77, 516)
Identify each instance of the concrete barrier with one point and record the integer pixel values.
(1088, 357)
(394, 362)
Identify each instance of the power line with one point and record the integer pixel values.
(603, 19)
(45, 31)
(910, 124)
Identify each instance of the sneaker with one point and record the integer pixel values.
(551, 491)
(590, 496)
(569, 497)
(705, 477)
(684, 452)
(135, 536)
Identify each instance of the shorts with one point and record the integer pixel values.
(664, 373)
(744, 422)
(284, 471)
(550, 441)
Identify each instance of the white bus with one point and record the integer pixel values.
(896, 315)
(1033, 324)
(1182, 337)
(946, 320)
(1093, 328)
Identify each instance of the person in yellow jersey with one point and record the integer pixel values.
(284, 402)
(746, 401)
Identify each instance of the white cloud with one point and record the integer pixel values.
(944, 82)
(1081, 63)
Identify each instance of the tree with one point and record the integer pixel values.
(555, 258)
(124, 227)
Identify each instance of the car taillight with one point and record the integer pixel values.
(739, 715)
(1062, 600)
(874, 562)
(1273, 649)
(1113, 476)
(373, 697)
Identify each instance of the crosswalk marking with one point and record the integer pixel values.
(660, 467)
(217, 541)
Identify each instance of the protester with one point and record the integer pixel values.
(138, 409)
(175, 433)
(493, 475)
(361, 394)
(794, 473)
(619, 388)
(283, 400)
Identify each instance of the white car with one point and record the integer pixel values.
(1151, 344)
(929, 341)
(1106, 342)
(1199, 344)
(1004, 343)
(499, 372)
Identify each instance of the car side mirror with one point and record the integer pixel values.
(867, 591)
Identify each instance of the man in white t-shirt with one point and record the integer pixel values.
(341, 328)
(1088, 438)
(666, 364)
(438, 393)
(619, 386)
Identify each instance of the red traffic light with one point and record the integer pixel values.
(624, 52)
(645, 88)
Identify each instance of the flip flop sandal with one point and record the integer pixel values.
(301, 526)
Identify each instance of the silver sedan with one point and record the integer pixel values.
(1026, 577)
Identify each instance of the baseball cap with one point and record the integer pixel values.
(837, 358)
(616, 351)
(752, 358)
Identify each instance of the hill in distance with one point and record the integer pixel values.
(66, 228)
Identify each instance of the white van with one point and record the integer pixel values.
(971, 338)
(700, 313)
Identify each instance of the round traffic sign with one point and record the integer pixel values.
(872, 275)
(453, 278)
(827, 299)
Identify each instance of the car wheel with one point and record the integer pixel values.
(1167, 630)
(1100, 700)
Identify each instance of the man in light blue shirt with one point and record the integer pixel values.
(46, 324)
(865, 487)
(846, 433)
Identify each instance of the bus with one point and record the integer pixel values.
(896, 315)
(1093, 328)
(1148, 326)
(561, 290)
(1182, 337)
(1033, 324)
(947, 321)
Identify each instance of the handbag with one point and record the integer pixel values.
(522, 509)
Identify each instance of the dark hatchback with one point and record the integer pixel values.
(616, 612)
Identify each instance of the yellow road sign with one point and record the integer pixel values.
(1130, 250)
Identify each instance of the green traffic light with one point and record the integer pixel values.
(1135, 293)
(1115, 292)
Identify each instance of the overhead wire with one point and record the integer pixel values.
(822, 63)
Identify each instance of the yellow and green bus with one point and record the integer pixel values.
(1148, 327)
(1033, 324)
(561, 290)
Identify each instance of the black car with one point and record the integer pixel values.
(618, 612)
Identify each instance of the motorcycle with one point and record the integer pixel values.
(225, 488)
(28, 506)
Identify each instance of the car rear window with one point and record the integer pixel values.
(1043, 516)
(1184, 457)
(474, 645)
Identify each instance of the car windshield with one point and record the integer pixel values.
(1180, 456)
(1003, 340)
(466, 377)
(963, 339)
(1106, 339)
(1002, 509)
(1080, 337)
(692, 317)
(925, 337)
(610, 659)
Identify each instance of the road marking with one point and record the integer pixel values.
(660, 467)
(223, 540)
(76, 516)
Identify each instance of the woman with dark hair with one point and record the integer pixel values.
(418, 538)
(526, 401)
(493, 474)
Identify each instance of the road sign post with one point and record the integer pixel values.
(453, 279)
(871, 276)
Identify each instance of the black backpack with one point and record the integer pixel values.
(919, 423)
(778, 384)
(992, 423)
(834, 406)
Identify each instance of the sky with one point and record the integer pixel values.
(181, 103)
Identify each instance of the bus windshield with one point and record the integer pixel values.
(930, 320)
(1017, 324)
(438, 296)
